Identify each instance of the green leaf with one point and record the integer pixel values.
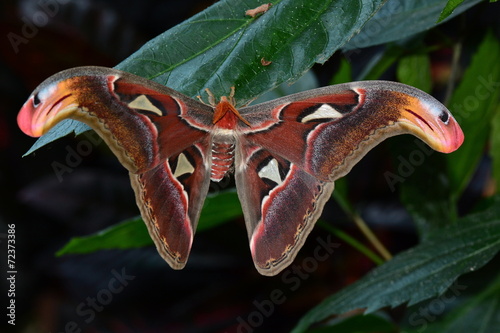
(221, 47)
(64, 128)
(451, 5)
(422, 272)
(344, 73)
(133, 233)
(400, 19)
(306, 82)
(127, 234)
(381, 62)
(218, 209)
(473, 104)
(480, 314)
(415, 70)
(495, 144)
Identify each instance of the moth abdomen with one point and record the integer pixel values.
(222, 160)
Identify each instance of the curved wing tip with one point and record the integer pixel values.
(270, 267)
(456, 141)
(453, 138)
(25, 118)
(174, 263)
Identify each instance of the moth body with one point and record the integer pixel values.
(226, 121)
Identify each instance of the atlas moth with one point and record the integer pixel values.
(285, 154)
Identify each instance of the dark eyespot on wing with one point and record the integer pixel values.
(36, 100)
(444, 116)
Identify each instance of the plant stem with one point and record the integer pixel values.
(353, 242)
(382, 250)
(340, 195)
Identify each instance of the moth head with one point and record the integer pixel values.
(50, 103)
(432, 122)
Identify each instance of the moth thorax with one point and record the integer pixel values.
(222, 160)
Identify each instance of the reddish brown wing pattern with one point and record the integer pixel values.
(159, 135)
(287, 152)
(170, 197)
(299, 145)
(339, 124)
(280, 203)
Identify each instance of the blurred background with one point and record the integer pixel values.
(219, 290)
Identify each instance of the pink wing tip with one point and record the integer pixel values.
(433, 123)
(453, 137)
(25, 118)
(457, 139)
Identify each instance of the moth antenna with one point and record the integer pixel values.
(211, 97)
